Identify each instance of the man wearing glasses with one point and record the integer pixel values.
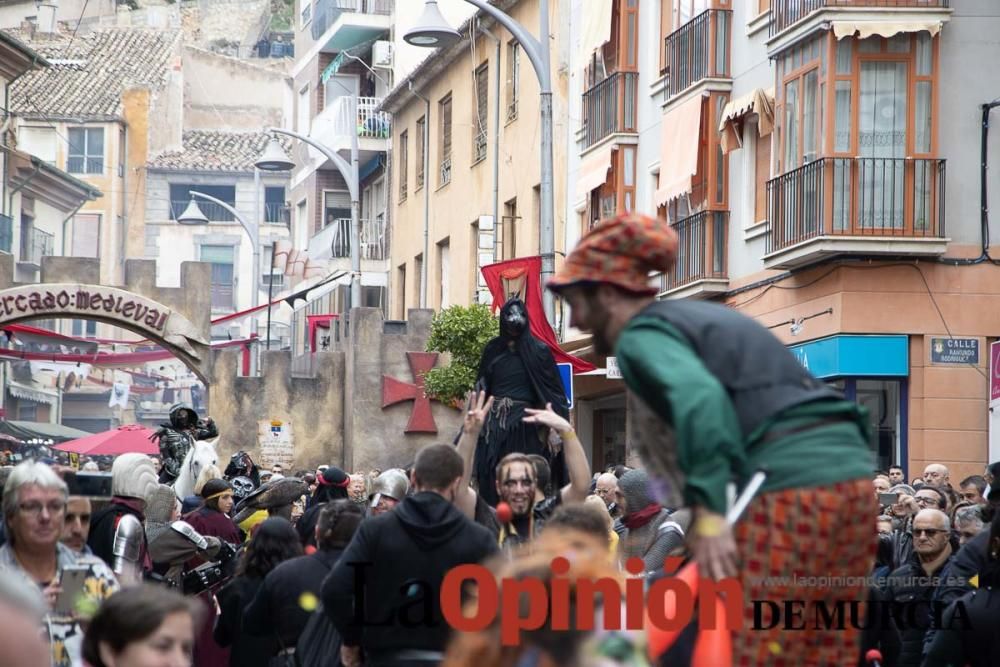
(913, 583)
(34, 508)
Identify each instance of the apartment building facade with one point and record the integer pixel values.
(454, 101)
(112, 98)
(819, 160)
(343, 70)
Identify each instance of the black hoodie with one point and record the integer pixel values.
(395, 564)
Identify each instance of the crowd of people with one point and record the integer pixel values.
(279, 568)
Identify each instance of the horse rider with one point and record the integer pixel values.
(178, 436)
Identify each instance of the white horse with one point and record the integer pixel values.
(200, 456)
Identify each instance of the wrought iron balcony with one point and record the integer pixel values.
(857, 197)
(785, 13)
(699, 49)
(36, 244)
(326, 12)
(609, 107)
(701, 249)
(335, 239)
(277, 214)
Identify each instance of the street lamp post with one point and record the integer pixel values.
(192, 215)
(351, 175)
(432, 31)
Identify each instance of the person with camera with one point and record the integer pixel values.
(34, 508)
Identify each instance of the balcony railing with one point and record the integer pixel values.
(326, 12)
(698, 50)
(788, 12)
(212, 211)
(373, 245)
(335, 123)
(277, 214)
(610, 107)
(35, 245)
(6, 233)
(701, 249)
(887, 197)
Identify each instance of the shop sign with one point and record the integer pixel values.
(955, 351)
(614, 373)
(274, 437)
(64, 299)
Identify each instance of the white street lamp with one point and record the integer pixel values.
(192, 215)
(350, 172)
(274, 158)
(432, 31)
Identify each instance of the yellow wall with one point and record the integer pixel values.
(456, 206)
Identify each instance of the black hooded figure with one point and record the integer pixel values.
(178, 436)
(518, 370)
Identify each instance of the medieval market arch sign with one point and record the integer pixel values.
(111, 305)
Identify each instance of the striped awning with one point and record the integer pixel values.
(758, 101)
(865, 29)
(18, 390)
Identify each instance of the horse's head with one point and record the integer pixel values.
(203, 454)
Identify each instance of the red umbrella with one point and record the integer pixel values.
(122, 440)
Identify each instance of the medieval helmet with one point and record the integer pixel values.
(133, 476)
(391, 483)
(242, 487)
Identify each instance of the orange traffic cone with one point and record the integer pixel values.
(659, 640)
(714, 646)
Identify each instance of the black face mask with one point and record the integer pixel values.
(514, 319)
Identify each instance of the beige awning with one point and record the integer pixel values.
(679, 150)
(865, 29)
(758, 101)
(596, 27)
(594, 170)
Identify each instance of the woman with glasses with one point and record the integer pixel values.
(34, 508)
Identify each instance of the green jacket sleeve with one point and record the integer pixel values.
(662, 368)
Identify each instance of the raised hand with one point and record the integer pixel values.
(548, 417)
(478, 407)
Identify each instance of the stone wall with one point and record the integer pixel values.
(337, 416)
(314, 406)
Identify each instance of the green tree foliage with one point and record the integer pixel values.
(462, 331)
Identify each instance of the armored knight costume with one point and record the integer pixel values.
(117, 534)
(178, 436)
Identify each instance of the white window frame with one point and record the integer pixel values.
(305, 13)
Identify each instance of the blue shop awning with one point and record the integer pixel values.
(855, 356)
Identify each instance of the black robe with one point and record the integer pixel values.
(519, 371)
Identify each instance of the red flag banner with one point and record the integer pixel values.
(522, 278)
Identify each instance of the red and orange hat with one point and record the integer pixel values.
(621, 251)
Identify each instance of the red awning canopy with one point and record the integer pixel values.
(131, 438)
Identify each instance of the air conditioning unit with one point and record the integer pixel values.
(382, 55)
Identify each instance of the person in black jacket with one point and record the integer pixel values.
(333, 484)
(973, 640)
(274, 541)
(383, 595)
(912, 586)
(283, 603)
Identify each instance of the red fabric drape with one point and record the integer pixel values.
(527, 271)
